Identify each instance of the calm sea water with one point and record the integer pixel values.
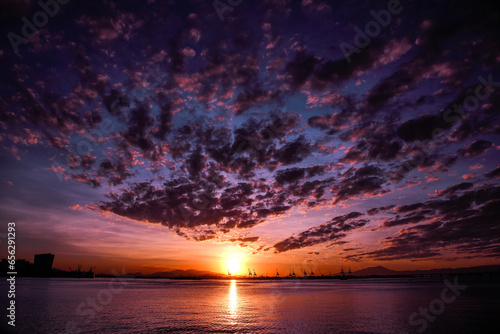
(239, 306)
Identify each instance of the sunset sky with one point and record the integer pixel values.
(160, 135)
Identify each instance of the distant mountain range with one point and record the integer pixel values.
(378, 271)
(382, 271)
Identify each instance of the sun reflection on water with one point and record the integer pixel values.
(233, 301)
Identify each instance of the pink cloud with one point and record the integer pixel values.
(393, 51)
(476, 166)
(430, 179)
(188, 52)
(57, 169)
(409, 184)
(444, 70)
(195, 34)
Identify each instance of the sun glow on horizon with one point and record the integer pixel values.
(234, 264)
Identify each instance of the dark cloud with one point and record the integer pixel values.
(294, 151)
(336, 228)
(367, 180)
(139, 123)
(422, 128)
(248, 239)
(249, 98)
(404, 221)
(465, 223)
(300, 68)
(438, 224)
(476, 148)
(290, 175)
(455, 188)
(196, 162)
(494, 173)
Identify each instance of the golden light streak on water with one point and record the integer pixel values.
(233, 302)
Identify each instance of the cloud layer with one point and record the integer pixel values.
(214, 128)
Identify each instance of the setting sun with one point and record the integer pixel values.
(233, 266)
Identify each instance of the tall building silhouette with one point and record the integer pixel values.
(43, 263)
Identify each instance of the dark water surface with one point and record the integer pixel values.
(240, 306)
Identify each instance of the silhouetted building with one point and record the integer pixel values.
(23, 267)
(43, 263)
